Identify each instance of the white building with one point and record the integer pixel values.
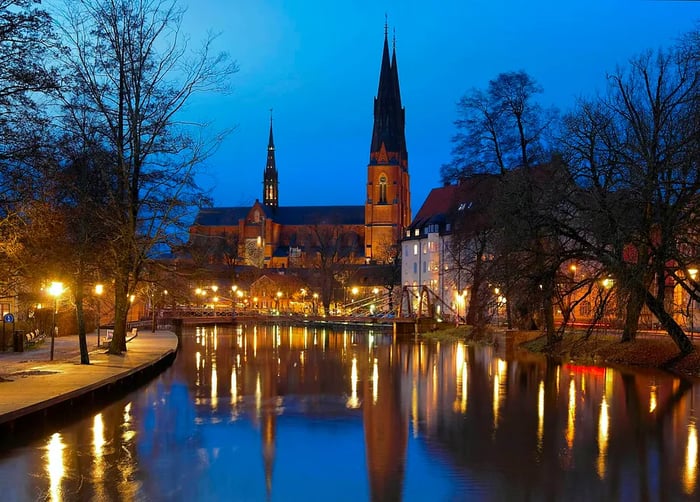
(431, 257)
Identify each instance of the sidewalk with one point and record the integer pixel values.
(30, 382)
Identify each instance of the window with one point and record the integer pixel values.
(425, 267)
(415, 268)
(415, 249)
(585, 308)
(382, 189)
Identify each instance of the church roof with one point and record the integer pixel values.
(290, 215)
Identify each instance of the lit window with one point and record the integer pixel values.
(415, 249)
(382, 189)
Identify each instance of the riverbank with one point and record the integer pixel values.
(657, 351)
(36, 391)
(649, 351)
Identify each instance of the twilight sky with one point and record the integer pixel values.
(316, 64)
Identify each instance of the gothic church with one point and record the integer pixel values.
(268, 235)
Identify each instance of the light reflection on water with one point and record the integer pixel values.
(271, 413)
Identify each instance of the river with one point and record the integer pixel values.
(263, 412)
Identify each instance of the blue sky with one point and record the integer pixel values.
(316, 64)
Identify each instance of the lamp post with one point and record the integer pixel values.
(98, 292)
(55, 290)
(279, 297)
(315, 303)
(693, 274)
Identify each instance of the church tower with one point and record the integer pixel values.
(388, 203)
(270, 183)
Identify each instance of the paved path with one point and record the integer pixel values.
(30, 382)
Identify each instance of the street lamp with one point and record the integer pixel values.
(315, 305)
(279, 296)
(55, 290)
(458, 302)
(693, 274)
(98, 291)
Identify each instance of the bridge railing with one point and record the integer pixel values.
(197, 312)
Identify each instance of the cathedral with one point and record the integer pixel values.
(270, 235)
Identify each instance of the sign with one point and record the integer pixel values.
(9, 318)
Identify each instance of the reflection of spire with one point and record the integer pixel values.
(268, 434)
(386, 427)
(267, 381)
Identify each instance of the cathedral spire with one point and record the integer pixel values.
(388, 202)
(388, 112)
(270, 178)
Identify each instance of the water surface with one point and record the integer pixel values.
(290, 413)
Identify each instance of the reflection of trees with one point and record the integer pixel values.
(538, 425)
(648, 433)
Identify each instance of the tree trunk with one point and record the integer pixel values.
(548, 319)
(121, 309)
(82, 338)
(635, 303)
(476, 305)
(674, 330)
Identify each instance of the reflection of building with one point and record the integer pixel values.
(271, 235)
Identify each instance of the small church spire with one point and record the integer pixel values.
(270, 177)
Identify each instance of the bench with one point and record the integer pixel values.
(134, 333)
(34, 337)
(129, 336)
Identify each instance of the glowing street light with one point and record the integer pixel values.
(55, 290)
(99, 289)
(460, 299)
(693, 272)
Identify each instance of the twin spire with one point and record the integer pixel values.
(389, 115)
(388, 134)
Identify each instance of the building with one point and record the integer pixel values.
(388, 204)
(270, 235)
(431, 257)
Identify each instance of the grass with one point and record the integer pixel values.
(657, 351)
(650, 351)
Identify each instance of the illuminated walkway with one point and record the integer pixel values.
(31, 383)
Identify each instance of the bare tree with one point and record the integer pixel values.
(26, 43)
(635, 153)
(500, 128)
(131, 63)
(330, 250)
